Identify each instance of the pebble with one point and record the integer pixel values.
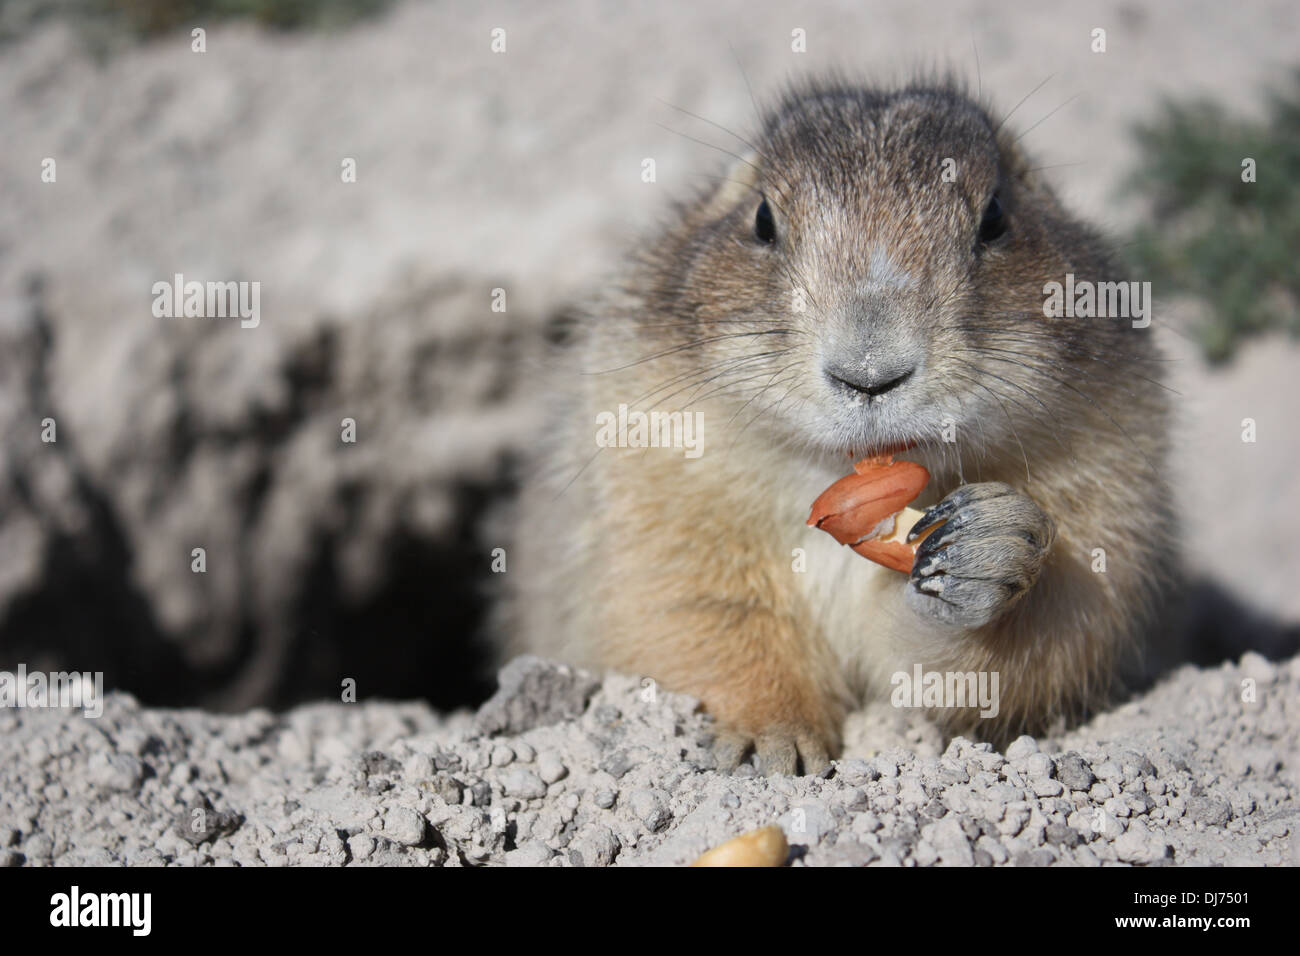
(857, 771)
(866, 823)
(115, 772)
(534, 853)
(1139, 845)
(405, 826)
(996, 851)
(361, 846)
(450, 789)
(1013, 820)
(1021, 748)
(1035, 858)
(1061, 835)
(855, 798)
(1100, 792)
(1257, 667)
(1104, 825)
(649, 807)
(594, 845)
(1211, 811)
(523, 783)
(617, 764)
(1047, 788)
(1074, 772)
(1038, 766)
(1116, 807)
(550, 767)
(1109, 771)
(132, 741)
(948, 838)
(418, 767)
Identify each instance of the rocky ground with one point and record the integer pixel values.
(559, 769)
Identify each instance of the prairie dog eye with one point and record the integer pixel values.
(764, 224)
(994, 223)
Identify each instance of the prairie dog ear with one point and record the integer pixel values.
(740, 185)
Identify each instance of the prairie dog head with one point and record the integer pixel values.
(871, 274)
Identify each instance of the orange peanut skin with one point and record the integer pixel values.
(895, 555)
(851, 508)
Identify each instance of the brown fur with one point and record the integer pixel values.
(645, 561)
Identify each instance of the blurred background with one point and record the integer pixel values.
(517, 170)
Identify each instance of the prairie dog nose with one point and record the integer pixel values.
(873, 380)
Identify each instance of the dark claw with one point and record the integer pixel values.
(943, 511)
(936, 541)
(929, 585)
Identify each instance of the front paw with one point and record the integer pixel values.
(784, 750)
(790, 728)
(983, 559)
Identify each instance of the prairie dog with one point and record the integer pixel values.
(869, 276)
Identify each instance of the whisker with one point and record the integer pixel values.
(717, 126)
(1037, 169)
(559, 494)
(758, 119)
(760, 392)
(1087, 398)
(684, 347)
(1077, 370)
(1022, 102)
(733, 365)
(735, 156)
(1046, 426)
(764, 410)
(1054, 335)
(1046, 118)
(1010, 421)
(688, 376)
(734, 385)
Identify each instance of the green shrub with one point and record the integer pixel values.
(145, 19)
(1232, 243)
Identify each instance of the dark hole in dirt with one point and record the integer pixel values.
(418, 637)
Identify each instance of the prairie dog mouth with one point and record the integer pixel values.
(880, 451)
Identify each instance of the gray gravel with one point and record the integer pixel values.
(582, 773)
